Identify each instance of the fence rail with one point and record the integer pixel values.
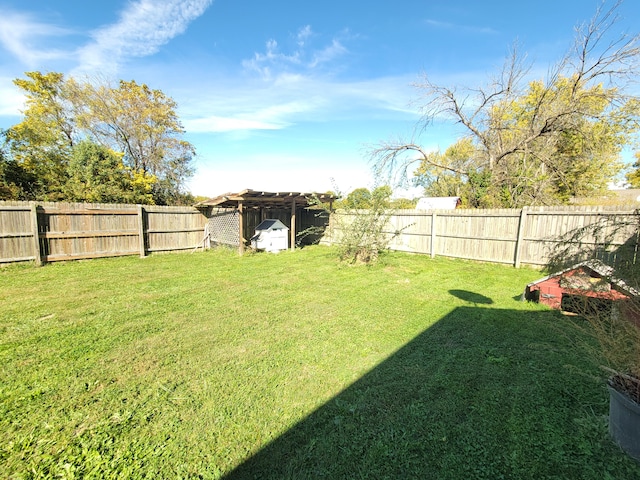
(49, 232)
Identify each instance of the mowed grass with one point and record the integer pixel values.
(211, 365)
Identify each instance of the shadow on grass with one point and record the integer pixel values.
(471, 297)
(484, 393)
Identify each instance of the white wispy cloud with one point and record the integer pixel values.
(274, 61)
(460, 28)
(336, 49)
(303, 34)
(291, 89)
(221, 124)
(23, 36)
(143, 27)
(249, 110)
(293, 98)
(281, 172)
(11, 99)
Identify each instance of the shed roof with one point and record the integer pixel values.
(260, 199)
(271, 224)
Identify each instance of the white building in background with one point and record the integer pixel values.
(438, 203)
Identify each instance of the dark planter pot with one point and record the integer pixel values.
(624, 422)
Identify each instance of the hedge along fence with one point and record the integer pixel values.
(527, 236)
(48, 232)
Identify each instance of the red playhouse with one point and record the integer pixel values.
(591, 279)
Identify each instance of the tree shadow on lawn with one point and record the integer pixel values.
(471, 297)
(484, 393)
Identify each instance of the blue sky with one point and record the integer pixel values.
(286, 95)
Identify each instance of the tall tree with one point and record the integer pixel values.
(134, 120)
(360, 198)
(534, 142)
(41, 144)
(143, 124)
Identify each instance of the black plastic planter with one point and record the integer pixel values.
(624, 422)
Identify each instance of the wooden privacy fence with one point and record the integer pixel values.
(49, 232)
(528, 236)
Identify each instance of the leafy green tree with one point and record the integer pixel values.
(381, 196)
(403, 203)
(360, 198)
(538, 142)
(138, 122)
(41, 144)
(456, 173)
(633, 177)
(143, 124)
(97, 175)
(14, 180)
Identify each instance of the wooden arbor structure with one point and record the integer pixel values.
(265, 201)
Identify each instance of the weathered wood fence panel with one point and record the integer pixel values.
(528, 236)
(173, 228)
(17, 239)
(597, 231)
(71, 232)
(464, 234)
(49, 232)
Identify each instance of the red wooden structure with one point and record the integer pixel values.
(591, 279)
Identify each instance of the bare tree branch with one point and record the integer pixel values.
(511, 118)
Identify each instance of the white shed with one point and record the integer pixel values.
(271, 235)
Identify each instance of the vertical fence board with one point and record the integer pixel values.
(37, 255)
(141, 232)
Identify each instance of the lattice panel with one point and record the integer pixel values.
(223, 227)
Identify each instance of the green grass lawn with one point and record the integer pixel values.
(210, 365)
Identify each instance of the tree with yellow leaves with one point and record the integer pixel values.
(531, 142)
(633, 177)
(136, 123)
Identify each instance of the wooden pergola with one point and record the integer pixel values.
(255, 199)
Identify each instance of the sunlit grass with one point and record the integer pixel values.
(189, 365)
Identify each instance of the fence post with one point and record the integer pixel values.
(518, 249)
(292, 233)
(36, 234)
(434, 216)
(141, 229)
(240, 228)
